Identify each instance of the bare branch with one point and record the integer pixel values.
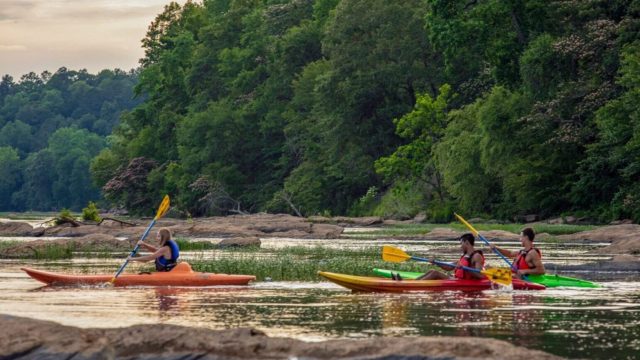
(287, 198)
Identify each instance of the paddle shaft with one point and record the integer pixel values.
(485, 240)
(443, 263)
(135, 249)
(496, 251)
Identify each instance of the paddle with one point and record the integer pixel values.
(476, 233)
(499, 275)
(162, 209)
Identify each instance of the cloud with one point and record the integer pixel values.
(12, 48)
(77, 10)
(96, 34)
(15, 9)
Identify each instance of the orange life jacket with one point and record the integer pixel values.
(465, 260)
(521, 260)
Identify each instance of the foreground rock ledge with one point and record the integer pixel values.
(37, 339)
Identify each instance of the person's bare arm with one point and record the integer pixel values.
(147, 247)
(160, 252)
(507, 253)
(477, 261)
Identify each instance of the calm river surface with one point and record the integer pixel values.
(580, 323)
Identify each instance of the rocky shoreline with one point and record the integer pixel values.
(258, 225)
(242, 230)
(37, 339)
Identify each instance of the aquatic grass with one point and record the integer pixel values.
(194, 245)
(48, 252)
(53, 252)
(303, 264)
(8, 244)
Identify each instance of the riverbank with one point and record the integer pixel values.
(45, 339)
(230, 244)
(255, 225)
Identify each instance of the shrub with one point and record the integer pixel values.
(64, 213)
(91, 212)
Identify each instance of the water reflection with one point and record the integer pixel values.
(599, 323)
(169, 300)
(596, 323)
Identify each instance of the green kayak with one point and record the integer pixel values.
(550, 280)
(546, 280)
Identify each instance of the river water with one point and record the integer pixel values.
(599, 323)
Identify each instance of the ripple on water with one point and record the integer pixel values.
(598, 323)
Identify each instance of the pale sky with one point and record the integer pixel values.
(38, 35)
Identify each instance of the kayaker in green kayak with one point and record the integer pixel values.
(470, 258)
(526, 262)
(165, 255)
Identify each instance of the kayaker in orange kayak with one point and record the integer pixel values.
(526, 261)
(165, 256)
(470, 258)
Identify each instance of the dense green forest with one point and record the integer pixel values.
(487, 107)
(51, 126)
(385, 107)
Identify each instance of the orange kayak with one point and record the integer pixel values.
(367, 283)
(181, 275)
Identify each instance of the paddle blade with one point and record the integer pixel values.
(164, 207)
(501, 276)
(393, 254)
(469, 226)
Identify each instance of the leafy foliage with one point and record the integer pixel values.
(55, 124)
(493, 107)
(91, 212)
(62, 216)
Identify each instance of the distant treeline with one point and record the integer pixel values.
(51, 126)
(494, 107)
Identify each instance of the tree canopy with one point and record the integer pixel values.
(392, 108)
(51, 127)
(497, 108)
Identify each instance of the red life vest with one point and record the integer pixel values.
(465, 260)
(521, 260)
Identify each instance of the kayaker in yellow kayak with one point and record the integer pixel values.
(165, 256)
(470, 258)
(526, 261)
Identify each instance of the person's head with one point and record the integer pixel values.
(526, 236)
(466, 242)
(163, 236)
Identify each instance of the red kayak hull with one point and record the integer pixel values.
(181, 275)
(377, 284)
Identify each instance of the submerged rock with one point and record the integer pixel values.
(37, 339)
